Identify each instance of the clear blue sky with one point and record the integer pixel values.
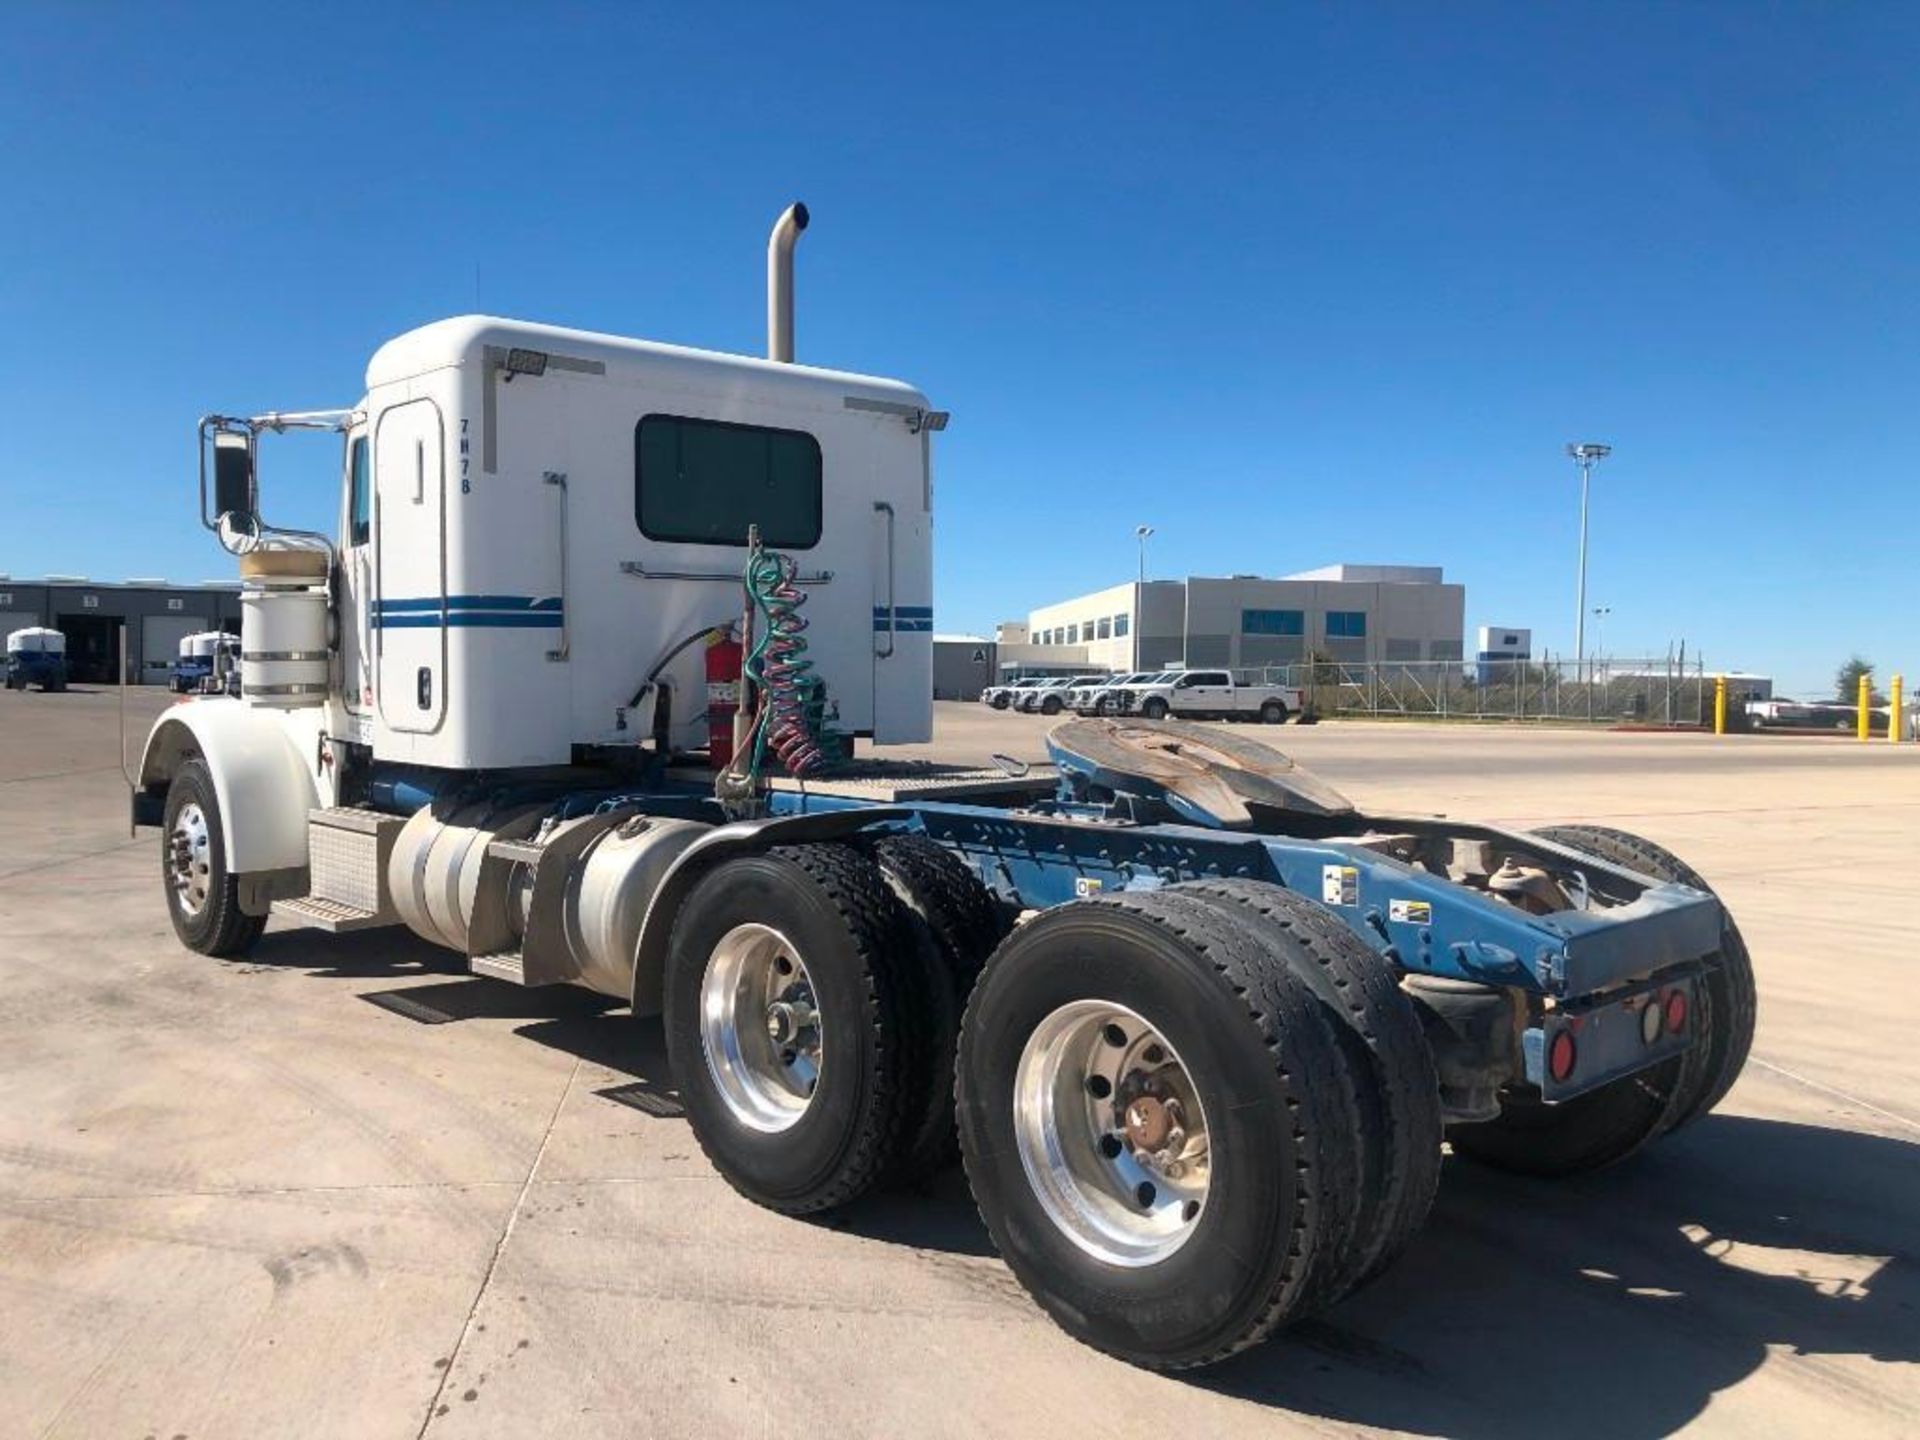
(1294, 283)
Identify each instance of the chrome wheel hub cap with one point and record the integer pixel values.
(189, 859)
(1111, 1133)
(759, 1029)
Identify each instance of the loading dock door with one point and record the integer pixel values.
(93, 647)
(160, 637)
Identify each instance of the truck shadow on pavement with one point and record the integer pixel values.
(1619, 1304)
(388, 952)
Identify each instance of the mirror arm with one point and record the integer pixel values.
(212, 426)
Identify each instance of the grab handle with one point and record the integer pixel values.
(884, 654)
(558, 479)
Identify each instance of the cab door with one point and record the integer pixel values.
(356, 575)
(410, 601)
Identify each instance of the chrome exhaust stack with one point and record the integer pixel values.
(786, 234)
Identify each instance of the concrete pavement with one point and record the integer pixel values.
(341, 1188)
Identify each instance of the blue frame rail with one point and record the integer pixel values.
(1420, 921)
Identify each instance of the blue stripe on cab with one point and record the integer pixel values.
(471, 619)
(467, 602)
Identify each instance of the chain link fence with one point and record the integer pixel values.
(1659, 691)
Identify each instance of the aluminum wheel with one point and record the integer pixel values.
(1111, 1133)
(760, 1028)
(190, 859)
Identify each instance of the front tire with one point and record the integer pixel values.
(1154, 709)
(797, 1024)
(203, 900)
(1153, 1131)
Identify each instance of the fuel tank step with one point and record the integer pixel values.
(320, 913)
(502, 965)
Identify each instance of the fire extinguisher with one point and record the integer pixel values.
(724, 657)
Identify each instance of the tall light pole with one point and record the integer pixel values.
(1585, 454)
(1140, 533)
(1600, 613)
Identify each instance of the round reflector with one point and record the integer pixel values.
(1561, 1056)
(1676, 1010)
(1650, 1021)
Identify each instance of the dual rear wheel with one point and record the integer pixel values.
(1182, 1130)
(1187, 1116)
(812, 1014)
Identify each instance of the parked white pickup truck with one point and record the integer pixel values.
(1206, 695)
(1049, 697)
(1001, 696)
(1094, 697)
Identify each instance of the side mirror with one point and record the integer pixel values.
(233, 482)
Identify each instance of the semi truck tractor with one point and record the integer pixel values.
(36, 655)
(1195, 1024)
(208, 662)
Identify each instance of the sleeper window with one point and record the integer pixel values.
(703, 482)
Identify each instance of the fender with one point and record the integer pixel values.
(263, 784)
(740, 838)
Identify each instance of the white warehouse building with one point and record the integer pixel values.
(1348, 613)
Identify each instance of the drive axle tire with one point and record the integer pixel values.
(1153, 1130)
(203, 900)
(1607, 1125)
(1273, 713)
(956, 924)
(797, 1024)
(1397, 1092)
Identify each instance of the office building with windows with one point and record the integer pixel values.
(1349, 613)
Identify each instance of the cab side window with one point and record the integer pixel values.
(359, 493)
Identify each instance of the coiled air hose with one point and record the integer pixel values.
(778, 665)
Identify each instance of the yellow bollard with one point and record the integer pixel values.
(1866, 706)
(1893, 712)
(1719, 704)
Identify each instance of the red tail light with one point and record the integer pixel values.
(1676, 1010)
(1561, 1056)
